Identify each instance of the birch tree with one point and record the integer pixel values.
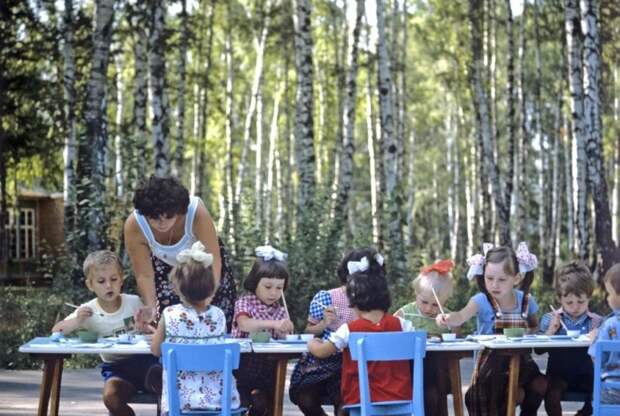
(231, 218)
(393, 199)
(304, 125)
(70, 136)
(179, 150)
(92, 221)
(593, 134)
(157, 65)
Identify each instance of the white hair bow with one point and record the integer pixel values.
(358, 266)
(267, 253)
(476, 262)
(527, 261)
(196, 253)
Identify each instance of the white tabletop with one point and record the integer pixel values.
(500, 342)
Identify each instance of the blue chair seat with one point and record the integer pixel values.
(388, 346)
(200, 357)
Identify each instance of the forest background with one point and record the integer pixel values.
(421, 127)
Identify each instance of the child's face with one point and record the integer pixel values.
(269, 290)
(613, 299)
(106, 281)
(574, 305)
(497, 281)
(426, 303)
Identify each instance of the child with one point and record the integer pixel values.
(573, 289)
(314, 380)
(610, 330)
(498, 306)
(422, 313)
(194, 321)
(368, 295)
(109, 314)
(259, 310)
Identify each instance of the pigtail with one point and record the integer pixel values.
(525, 288)
(483, 289)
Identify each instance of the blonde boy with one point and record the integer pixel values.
(110, 313)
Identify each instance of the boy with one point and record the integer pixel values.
(573, 287)
(609, 331)
(110, 313)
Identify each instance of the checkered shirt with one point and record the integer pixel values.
(334, 297)
(250, 305)
(584, 323)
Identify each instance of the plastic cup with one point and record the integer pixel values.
(88, 336)
(448, 336)
(573, 333)
(514, 332)
(306, 337)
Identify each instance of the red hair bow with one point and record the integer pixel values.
(441, 267)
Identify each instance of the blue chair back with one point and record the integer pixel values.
(196, 357)
(389, 346)
(600, 350)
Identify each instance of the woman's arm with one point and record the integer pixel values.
(158, 338)
(454, 319)
(204, 230)
(140, 256)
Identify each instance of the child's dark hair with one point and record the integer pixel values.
(368, 291)
(356, 255)
(506, 255)
(612, 276)
(161, 196)
(265, 268)
(573, 278)
(193, 281)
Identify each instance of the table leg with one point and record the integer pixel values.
(50, 385)
(455, 384)
(513, 384)
(278, 393)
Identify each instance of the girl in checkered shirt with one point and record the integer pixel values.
(260, 310)
(315, 381)
(500, 305)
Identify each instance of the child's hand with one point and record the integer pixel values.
(554, 325)
(442, 319)
(592, 335)
(84, 313)
(329, 316)
(284, 326)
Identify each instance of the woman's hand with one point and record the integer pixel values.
(143, 318)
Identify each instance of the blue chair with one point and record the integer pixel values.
(388, 346)
(601, 409)
(193, 357)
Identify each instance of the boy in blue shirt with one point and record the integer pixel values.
(573, 287)
(609, 331)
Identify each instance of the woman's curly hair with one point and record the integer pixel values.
(161, 196)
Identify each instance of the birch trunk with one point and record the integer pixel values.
(118, 144)
(268, 190)
(573, 41)
(371, 134)
(231, 214)
(393, 200)
(568, 174)
(593, 134)
(304, 111)
(453, 200)
(512, 124)
(258, 163)
(345, 182)
(541, 137)
(616, 166)
(179, 151)
(521, 187)
(92, 221)
(159, 104)
(484, 128)
(70, 140)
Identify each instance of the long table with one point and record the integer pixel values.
(54, 353)
(514, 348)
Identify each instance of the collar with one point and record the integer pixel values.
(587, 314)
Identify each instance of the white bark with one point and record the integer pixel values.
(231, 215)
(179, 154)
(372, 164)
(118, 141)
(268, 191)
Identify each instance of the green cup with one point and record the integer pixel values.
(514, 332)
(260, 336)
(88, 336)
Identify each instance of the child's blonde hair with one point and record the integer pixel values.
(437, 276)
(99, 258)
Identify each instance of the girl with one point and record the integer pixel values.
(194, 321)
(259, 310)
(368, 295)
(499, 306)
(422, 313)
(317, 381)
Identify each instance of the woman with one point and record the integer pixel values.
(165, 221)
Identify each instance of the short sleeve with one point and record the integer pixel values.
(317, 306)
(243, 307)
(603, 335)
(545, 321)
(340, 338)
(405, 325)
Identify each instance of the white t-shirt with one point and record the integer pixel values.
(111, 323)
